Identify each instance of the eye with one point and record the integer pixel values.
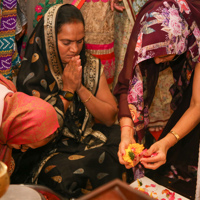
(66, 43)
(80, 41)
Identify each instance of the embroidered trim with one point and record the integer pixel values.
(50, 41)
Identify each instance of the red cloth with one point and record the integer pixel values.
(25, 120)
(156, 134)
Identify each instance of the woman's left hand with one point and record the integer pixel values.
(155, 156)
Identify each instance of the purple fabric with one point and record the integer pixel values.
(161, 28)
(7, 29)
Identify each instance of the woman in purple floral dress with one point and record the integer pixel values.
(166, 35)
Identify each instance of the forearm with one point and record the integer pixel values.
(127, 127)
(184, 126)
(99, 109)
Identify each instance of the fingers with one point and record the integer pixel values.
(154, 161)
(152, 165)
(24, 148)
(149, 152)
(120, 153)
(136, 161)
(118, 7)
(112, 5)
(72, 74)
(121, 160)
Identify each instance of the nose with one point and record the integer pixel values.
(74, 47)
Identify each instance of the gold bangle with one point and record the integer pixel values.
(88, 98)
(127, 126)
(175, 135)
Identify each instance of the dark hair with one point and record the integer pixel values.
(68, 14)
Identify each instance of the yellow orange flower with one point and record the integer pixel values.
(132, 151)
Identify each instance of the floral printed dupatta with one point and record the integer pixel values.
(161, 28)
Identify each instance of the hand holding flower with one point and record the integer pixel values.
(155, 156)
(133, 153)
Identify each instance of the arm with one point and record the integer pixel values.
(127, 137)
(102, 106)
(71, 78)
(187, 123)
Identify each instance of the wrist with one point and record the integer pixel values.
(127, 136)
(80, 89)
(169, 141)
(127, 131)
(66, 95)
(68, 89)
(128, 126)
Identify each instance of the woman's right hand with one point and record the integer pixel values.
(126, 139)
(72, 75)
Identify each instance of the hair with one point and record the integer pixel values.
(68, 14)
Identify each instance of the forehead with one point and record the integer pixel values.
(72, 31)
(164, 56)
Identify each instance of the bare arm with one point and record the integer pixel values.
(127, 137)
(186, 124)
(71, 78)
(103, 107)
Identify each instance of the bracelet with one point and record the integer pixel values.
(88, 98)
(127, 126)
(175, 135)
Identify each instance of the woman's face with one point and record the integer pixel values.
(25, 147)
(164, 58)
(70, 40)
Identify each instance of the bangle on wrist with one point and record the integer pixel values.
(127, 126)
(88, 98)
(175, 135)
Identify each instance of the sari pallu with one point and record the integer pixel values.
(21, 120)
(157, 18)
(81, 141)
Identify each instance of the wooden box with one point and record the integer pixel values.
(115, 190)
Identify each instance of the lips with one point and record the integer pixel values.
(71, 56)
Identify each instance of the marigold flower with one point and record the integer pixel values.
(132, 151)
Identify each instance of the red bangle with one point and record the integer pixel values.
(127, 126)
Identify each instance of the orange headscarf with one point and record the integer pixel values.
(26, 119)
